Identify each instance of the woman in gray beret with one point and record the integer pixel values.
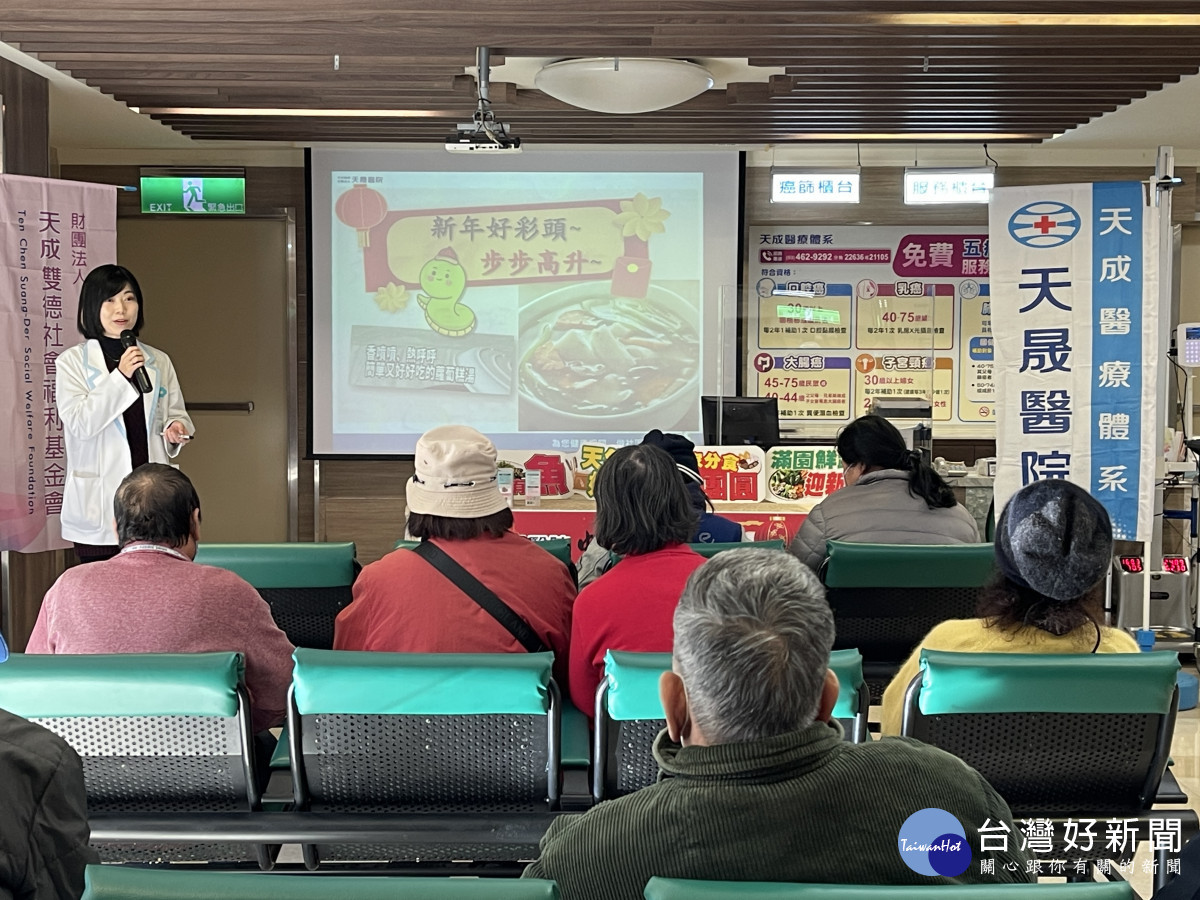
(1053, 549)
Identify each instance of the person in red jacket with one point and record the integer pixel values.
(644, 515)
(403, 604)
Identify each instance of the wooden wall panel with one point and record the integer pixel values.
(374, 523)
(26, 151)
(26, 98)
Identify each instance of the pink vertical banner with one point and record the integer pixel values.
(52, 233)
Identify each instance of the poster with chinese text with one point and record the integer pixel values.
(52, 233)
(1075, 283)
(839, 316)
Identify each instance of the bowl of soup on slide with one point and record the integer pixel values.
(591, 360)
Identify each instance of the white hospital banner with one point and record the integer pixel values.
(1074, 282)
(51, 234)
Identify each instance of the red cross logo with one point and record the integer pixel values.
(1044, 224)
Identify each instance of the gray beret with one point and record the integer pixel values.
(1054, 538)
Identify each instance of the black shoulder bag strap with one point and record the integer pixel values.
(474, 588)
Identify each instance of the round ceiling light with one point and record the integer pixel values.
(623, 84)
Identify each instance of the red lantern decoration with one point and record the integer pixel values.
(362, 208)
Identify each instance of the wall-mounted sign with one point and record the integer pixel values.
(948, 185)
(194, 196)
(813, 186)
(838, 317)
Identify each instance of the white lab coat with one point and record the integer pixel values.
(91, 401)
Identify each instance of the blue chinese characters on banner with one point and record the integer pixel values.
(1117, 324)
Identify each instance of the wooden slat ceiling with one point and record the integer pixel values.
(854, 69)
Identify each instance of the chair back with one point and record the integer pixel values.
(710, 550)
(129, 883)
(886, 597)
(854, 698)
(686, 889)
(158, 733)
(1053, 734)
(305, 584)
(451, 733)
(629, 716)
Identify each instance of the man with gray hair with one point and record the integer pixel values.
(762, 786)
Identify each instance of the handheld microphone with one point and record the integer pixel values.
(140, 377)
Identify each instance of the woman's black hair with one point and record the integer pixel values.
(700, 502)
(641, 503)
(875, 443)
(1006, 605)
(422, 526)
(101, 283)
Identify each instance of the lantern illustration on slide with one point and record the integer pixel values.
(361, 208)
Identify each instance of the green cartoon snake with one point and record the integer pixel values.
(443, 282)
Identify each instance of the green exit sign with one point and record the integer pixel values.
(194, 196)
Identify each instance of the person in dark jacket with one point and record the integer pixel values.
(892, 496)
(43, 812)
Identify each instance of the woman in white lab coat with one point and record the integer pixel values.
(110, 425)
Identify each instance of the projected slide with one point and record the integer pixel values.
(540, 298)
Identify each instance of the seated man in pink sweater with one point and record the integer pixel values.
(152, 598)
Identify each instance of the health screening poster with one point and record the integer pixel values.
(51, 234)
(1075, 278)
(839, 316)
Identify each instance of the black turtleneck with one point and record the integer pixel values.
(135, 415)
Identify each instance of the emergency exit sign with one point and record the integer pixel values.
(194, 196)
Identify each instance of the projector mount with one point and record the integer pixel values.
(484, 131)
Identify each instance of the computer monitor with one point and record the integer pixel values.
(741, 420)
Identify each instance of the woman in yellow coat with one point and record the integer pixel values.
(1053, 549)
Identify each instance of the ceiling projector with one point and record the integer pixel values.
(491, 137)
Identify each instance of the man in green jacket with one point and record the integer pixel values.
(763, 787)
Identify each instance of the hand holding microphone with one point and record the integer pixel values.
(134, 362)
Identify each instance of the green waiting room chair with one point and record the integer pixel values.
(886, 597)
(163, 737)
(629, 715)
(708, 551)
(127, 883)
(435, 737)
(686, 889)
(854, 697)
(305, 584)
(1071, 736)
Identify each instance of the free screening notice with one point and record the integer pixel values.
(837, 316)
